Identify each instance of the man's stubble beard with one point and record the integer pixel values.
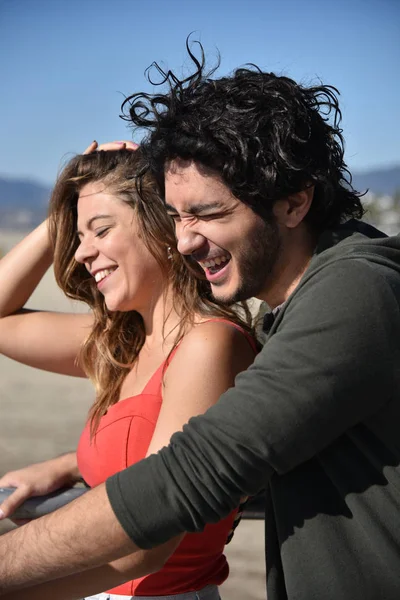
(255, 264)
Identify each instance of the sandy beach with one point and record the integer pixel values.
(42, 415)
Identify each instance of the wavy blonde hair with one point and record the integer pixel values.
(116, 338)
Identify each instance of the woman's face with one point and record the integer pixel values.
(112, 250)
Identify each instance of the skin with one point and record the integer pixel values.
(106, 227)
(106, 242)
(70, 540)
(267, 260)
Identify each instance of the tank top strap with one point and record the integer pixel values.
(153, 386)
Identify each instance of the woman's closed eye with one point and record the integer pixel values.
(102, 232)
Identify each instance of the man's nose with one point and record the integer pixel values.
(189, 241)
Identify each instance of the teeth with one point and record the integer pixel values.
(100, 275)
(217, 261)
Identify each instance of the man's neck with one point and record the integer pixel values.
(295, 256)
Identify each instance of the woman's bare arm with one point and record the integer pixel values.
(37, 480)
(22, 269)
(204, 367)
(46, 340)
(206, 364)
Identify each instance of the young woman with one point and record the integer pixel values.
(156, 346)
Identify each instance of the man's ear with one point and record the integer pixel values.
(291, 211)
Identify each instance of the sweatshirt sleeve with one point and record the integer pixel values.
(329, 365)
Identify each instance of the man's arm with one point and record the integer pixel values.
(298, 396)
(98, 579)
(79, 536)
(333, 362)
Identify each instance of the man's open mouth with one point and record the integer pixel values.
(216, 264)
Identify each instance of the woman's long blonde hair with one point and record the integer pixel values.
(116, 338)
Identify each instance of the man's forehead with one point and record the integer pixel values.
(180, 171)
(194, 188)
(180, 165)
(177, 166)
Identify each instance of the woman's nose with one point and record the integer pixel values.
(85, 252)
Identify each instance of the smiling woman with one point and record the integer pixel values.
(125, 273)
(156, 345)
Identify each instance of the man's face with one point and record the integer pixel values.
(235, 247)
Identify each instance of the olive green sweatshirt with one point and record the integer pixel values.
(316, 421)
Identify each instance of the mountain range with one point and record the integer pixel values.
(384, 181)
(23, 202)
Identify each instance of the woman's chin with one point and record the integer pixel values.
(118, 306)
(113, 306)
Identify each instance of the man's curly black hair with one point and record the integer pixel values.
(266, 136)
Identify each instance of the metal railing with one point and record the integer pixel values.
(38, 506)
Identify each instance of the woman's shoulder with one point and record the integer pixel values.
(214, 338)
(225, 330)
(207, 360)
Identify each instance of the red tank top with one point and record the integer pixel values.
(122, 438)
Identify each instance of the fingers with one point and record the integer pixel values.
(13, 501)
(91, 148)
(117, 145)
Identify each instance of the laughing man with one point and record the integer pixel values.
(251, 168)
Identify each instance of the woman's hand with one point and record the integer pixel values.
(118, 145)
(38, 480)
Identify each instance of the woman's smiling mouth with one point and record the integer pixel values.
(101, 275)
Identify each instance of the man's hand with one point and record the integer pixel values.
(80, 536)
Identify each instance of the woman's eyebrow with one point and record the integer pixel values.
(90, 221)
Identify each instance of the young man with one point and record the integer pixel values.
(254, 178)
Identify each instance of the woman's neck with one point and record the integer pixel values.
(161, 321)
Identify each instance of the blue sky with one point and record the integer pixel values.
(66, 65)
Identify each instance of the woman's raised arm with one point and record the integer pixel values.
(46, 340)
